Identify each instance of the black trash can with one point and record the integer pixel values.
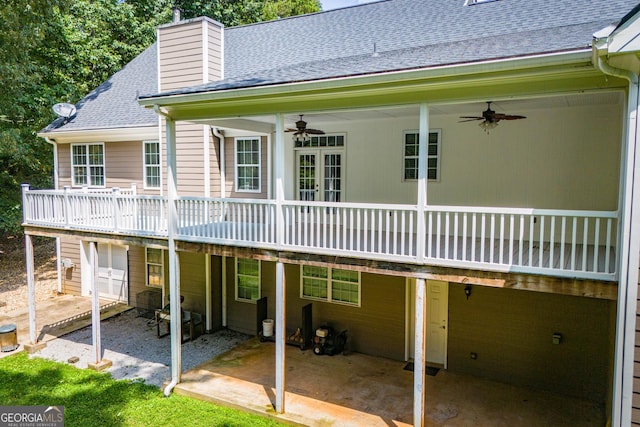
(8, 337)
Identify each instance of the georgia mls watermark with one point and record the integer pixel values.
(31, 416)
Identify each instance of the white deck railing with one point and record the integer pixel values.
(566, 243)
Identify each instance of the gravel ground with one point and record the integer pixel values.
(130, 342)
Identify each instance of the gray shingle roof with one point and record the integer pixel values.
(407, 34)
(114, 103)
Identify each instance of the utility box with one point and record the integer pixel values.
(148, 301)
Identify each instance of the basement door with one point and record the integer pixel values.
(113, 275)
(437, 321)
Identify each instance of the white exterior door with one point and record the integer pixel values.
(320, 175)
(437, 321)
(112, 272)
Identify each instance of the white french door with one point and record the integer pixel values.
(320, 175)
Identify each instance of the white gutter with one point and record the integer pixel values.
(223, 182)
(458, 70)
(56, 180)
(629, 239)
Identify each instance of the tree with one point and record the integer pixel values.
(57, 51)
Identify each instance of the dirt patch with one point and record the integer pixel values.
(13, 272)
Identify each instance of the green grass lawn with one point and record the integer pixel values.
(95, 399)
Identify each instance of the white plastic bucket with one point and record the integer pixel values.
(267, 327)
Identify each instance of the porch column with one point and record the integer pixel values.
(422, 181)
(281, 318)
(279, 176)
(174, 278)
(33, 345)
(96, 341)
(419, 360)
(280, 279)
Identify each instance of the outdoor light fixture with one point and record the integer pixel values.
(467, 291)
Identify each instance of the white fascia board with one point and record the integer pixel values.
(485, 67)
(103, 135)
(626, 38)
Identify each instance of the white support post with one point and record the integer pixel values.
(95, 303)
(422, 181)
(96, 341)
(174, 272)
(207, 287)
(280, 337)
(31, 289)
(419, 361)
(223, 279)
(279, 176)
(33, 345)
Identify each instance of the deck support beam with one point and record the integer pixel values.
(280, 337)
(419, 360)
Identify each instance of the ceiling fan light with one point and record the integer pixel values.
(301, 138)
(487, 125)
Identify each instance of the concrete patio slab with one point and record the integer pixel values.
(360, 390)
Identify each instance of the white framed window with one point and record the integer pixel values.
(247, 154)
(333, 285)
(87, 165)
(154, 261)
(247, 279)
(411, 146)
(151, 158)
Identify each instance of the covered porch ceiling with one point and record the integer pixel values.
(264, 124)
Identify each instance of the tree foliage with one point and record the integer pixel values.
(57, 51)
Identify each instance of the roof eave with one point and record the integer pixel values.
(568, 57)
(105, 134)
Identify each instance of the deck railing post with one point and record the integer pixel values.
(115, 192)
(26, 207)
(67, 206)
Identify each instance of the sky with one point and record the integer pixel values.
(334, 4)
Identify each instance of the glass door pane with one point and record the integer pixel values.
(332, 177)
(307, 176)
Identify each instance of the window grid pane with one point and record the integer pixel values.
(248, 164)
(248, 279)
(152, 163)
(411, 160)
(344, 285)
(155, 267)
(88, 164)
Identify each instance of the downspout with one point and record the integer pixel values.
(174, 286)
(627, 292)
(223, 193)
(218, 134)
(56, 179)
